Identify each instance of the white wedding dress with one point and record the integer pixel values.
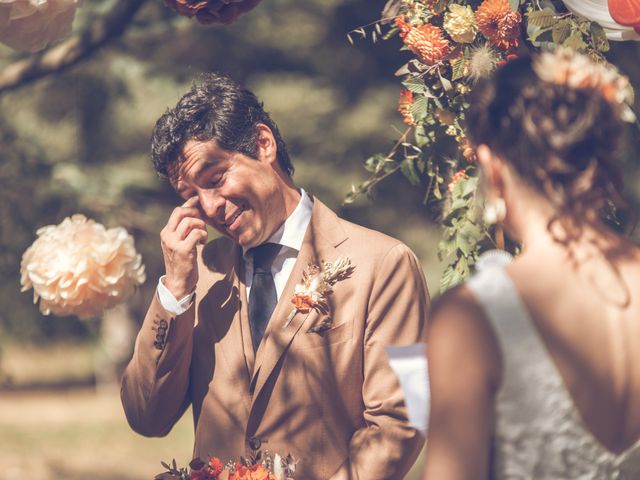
(539, 433)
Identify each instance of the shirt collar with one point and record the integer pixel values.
(291, 232)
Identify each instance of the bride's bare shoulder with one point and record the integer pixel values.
(460, 337)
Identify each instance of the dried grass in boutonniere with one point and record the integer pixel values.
(317, 282)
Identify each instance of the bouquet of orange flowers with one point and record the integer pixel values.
(257, 467)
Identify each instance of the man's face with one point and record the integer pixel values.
(239, 196)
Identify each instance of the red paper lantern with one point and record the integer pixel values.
(626, 12)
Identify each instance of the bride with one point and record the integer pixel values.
(535, 364)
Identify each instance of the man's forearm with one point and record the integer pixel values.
(155, 383)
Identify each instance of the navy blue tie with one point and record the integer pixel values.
(263, 297)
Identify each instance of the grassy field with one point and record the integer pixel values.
(77, 434)
(80, 434)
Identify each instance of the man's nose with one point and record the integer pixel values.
(212, 205)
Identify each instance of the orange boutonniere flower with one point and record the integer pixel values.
(303, 303)
(317, 282)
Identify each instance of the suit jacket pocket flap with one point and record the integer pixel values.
(325, 333)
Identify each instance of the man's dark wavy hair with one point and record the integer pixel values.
(215, 108)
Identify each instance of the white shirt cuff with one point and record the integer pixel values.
(169, 302)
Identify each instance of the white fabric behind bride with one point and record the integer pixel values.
(409, 362)
(598, 11)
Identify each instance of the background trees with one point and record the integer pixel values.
(76, 140)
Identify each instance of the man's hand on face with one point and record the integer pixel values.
(184, 230)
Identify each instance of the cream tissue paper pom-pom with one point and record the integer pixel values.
(31, 25)
(80, 268)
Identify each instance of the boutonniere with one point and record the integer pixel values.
(317, 283)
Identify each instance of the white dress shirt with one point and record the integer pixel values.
(290, 235)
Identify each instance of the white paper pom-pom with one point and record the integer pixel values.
(31, 25)
(80, 268)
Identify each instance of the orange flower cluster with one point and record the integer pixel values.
(499, 24)
(209, 471)
(256, 467)
(425, 41)
(461, 175)
(213, 471)
(257, 472)
(212, 11)
(404, 106)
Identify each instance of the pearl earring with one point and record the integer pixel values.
(495, 211)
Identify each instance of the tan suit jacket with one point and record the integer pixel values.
(328, 398)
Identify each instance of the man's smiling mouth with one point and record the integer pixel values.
(234, 217)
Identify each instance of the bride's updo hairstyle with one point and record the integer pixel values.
(557, 119)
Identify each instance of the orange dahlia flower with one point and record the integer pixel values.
(499, 24)
(425, 41)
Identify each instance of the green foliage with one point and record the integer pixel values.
(458, 68)
(542, 19)
(462, 232)
(598, 37)
(551, 26)
(440, 99)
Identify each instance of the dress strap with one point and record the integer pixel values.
(497, 295)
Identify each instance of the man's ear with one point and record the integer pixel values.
(267, 148)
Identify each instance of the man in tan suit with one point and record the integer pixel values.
(222, 333)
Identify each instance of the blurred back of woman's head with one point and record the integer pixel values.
(557, 119)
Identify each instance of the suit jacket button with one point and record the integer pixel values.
(254, 443)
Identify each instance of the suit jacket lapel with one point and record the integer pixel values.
(322, 236)
(245, 328)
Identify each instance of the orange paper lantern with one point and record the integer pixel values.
(626, 12)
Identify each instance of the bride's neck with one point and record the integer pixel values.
(545, 231)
